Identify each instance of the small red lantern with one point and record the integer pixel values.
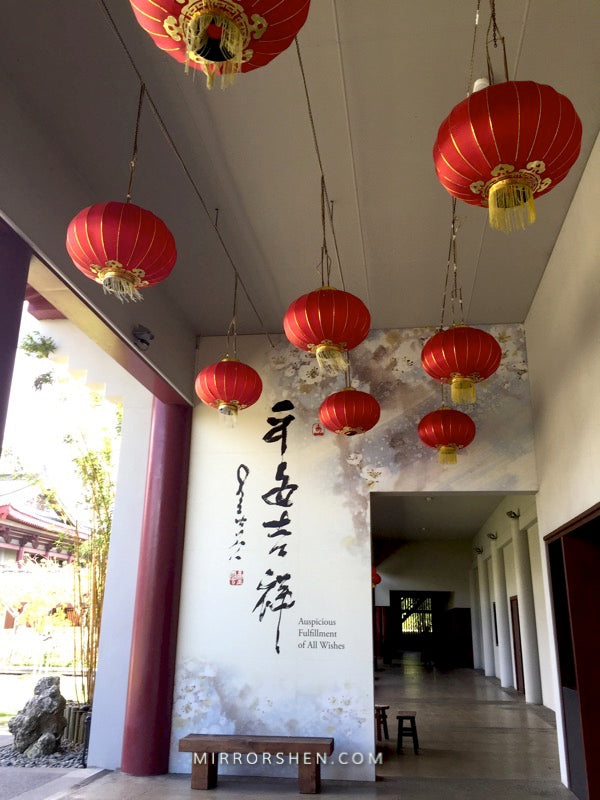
(375, 577)
(461, 356)
(505, 144)
(349, 412)
(122, 246)
(448, 431)
(327, 322)
(229, 386)
(222, 37)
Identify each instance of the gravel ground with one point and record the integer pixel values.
(68, 756)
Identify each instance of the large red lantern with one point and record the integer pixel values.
(327, 322)
(122, 246)
(375, 578)
(504, 145)
(448, 431)
(229, 386)
(222, 37)
(349, 412)
(461, 356)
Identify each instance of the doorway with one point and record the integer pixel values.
(574, 558)
(517, 648)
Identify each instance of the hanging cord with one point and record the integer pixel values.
(232, 330)
(472, 59)
(325, 257)
(493, 35)
(134, 152)
(348, 370)
(184, 167)
(456, 298)
(320, 162)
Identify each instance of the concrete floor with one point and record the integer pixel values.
(478, 742)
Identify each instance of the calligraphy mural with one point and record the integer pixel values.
(279, 510)
(275, 594)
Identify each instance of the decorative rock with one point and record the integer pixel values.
(44, 746)
(43, 716)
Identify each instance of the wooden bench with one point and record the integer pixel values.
(308, 751)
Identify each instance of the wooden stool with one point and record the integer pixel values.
(381, 721)
(407, 726)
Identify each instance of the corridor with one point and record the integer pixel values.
(477, 742)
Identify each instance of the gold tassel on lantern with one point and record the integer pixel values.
(447, 454)
(462, 390)
(330, 358)
(231, 45)
(511, 205)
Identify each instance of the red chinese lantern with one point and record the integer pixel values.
(222, 37)
(461, 356)
(122, 246)
(229, 386)
(448, 431)
(505, 144)
(375, 577)
(349, 412)
(327, 322)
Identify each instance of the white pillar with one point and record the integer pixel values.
(501, 601)
(106, 738)
(475, 620)
(529, 644)
(486, 616)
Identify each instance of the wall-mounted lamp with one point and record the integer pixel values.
(513, 514)
(492, 535)
(478, 550)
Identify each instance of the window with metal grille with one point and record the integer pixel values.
(417, 616)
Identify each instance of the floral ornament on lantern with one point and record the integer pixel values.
(447, 431)
(229, 386)
(506, 143)
(375, 577)
(349, 412)
(121, 246)
(461, 356)
(222, 37)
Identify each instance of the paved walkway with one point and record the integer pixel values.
(478, 742)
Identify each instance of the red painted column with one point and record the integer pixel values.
(152, 664)
(14, 266)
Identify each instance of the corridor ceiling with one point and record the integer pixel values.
(381, 75)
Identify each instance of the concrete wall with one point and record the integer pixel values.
(563, 344)
(410, 568)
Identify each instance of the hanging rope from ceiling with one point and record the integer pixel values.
(162, 125)
(325, 193)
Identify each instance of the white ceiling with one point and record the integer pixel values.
(381, 75)
(435, 515)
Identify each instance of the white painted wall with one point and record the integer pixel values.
(431, 565)
(498, 522)
(106, 738)
(563, 344)
(229, 677)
